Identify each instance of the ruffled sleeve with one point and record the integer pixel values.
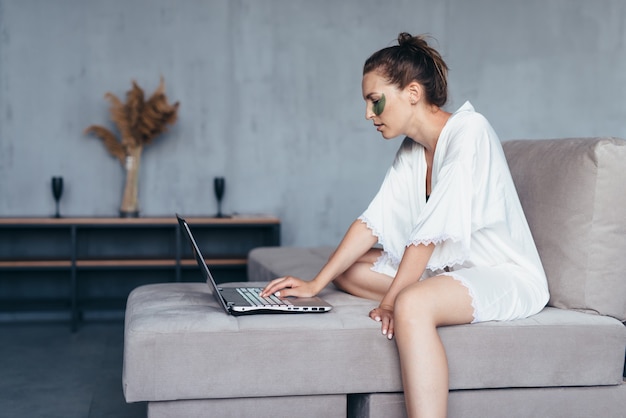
(401, 197)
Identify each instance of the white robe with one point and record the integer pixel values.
(473, 216)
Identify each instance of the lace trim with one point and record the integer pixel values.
(459, 261)
(367, 223)
(437, 241)
(374, 230)
(385, 255)
(476, 314)
(394, 260)
(385, 258)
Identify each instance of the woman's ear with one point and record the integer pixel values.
(415, 91)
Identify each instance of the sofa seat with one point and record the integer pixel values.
(202, 353)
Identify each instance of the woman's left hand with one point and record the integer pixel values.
(384, 314)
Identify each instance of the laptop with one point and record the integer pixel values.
(246, 300)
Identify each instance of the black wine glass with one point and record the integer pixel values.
(218, 188)
(57, 192)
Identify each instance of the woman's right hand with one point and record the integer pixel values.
(384, 314)
(290, 286)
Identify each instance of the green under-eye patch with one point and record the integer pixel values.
(379, 106)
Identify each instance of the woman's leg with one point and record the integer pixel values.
(419, 309)
(360, 280)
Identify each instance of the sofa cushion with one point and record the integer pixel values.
(179, 344)
(267, 263)
(573, 192)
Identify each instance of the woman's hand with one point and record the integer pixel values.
(290, 286)
(384, 314)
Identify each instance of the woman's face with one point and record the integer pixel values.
(386, 105)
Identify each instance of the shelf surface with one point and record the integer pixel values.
(36, 264)
(234, 220)
(43, 264)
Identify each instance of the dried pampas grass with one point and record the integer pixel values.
(139, 122)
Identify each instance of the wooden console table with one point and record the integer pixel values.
(73, 266)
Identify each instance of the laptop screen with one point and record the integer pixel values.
(200, 260)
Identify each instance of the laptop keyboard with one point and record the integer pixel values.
(251, 294)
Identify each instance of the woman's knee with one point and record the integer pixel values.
(436, 301)
(407, 305)
(411, 305)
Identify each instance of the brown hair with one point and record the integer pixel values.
(412, 60)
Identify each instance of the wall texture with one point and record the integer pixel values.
(270, 94)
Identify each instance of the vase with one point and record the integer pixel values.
(130, 200)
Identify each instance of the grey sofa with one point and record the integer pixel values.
(186, 358)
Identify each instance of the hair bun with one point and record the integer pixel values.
(405, 39)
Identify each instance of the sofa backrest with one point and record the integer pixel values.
(573, 192)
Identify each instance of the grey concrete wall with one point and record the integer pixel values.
(271, 98)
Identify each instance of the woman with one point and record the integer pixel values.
(456, 247)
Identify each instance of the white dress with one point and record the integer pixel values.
(473, 216)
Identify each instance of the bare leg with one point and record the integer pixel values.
(419, 309)
(360, 280)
